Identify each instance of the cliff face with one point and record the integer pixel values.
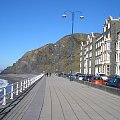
(35, 61)
(50, 58)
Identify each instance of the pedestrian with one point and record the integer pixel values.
(47, 74)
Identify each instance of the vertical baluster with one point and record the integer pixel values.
(17, 89)
(11, 96)
(24, 85)
(28, 82)
(21, 85)
(4, 98)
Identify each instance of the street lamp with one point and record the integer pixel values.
(58, 46)
(64, 16)
(58, 54)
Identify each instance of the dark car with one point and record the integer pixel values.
(77, 75)
(114, 81)
(88, 78)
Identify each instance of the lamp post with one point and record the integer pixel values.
(71, 46)
(58, 56)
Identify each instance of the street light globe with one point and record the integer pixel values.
(64, 16)
(81, 17)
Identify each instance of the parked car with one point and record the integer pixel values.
(103, 75)
(77, 75)
(97, 80)
(81, 77)
(114, 81)
(88, 77)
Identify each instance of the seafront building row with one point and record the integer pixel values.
(102, 53)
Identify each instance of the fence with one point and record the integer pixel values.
(15, 89)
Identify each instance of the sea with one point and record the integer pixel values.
(4, 83)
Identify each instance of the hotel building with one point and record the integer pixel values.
(102, 54)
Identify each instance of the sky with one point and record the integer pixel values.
(26, 25)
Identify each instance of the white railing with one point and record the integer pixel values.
(16, 88)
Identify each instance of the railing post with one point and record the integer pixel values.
(28, 82)
(21, 85)
(4, 98)
(11, 96)
(17, 89)
(24, 85)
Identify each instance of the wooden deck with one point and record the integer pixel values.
(56, 98)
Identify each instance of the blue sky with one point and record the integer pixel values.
(29, 24)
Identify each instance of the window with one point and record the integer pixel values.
(90, 47)
(116, 57)
(90, 63)
(108, 46)
(109, 35)
(96, 46)
(119, 45)
(96, 62)
(119, 56)
(116, 45)
(104, 28)
(108, 25)
(105, 56)
(80, 59)
(99, 60)
(80, 65)
(104, 37)
(119, 36)
(108, 69)
(108, 56)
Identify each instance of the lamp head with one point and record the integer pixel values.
(64, 16)
(81, 17)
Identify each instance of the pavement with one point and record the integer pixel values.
(57, 98)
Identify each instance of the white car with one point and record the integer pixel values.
(103, 75)
(81, 77)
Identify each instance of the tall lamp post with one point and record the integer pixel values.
(58, 53)
(71, 47)
(58, 56)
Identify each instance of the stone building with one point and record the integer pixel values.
(87, 56)
(110, 31)
(102, 54)
(98, 53)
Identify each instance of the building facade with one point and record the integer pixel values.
(110, 32)
(102, 54)
(98, 53)
(87, 56)
(118, 54)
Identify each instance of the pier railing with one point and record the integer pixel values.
(12, 90)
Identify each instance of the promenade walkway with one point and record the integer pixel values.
(65, 100)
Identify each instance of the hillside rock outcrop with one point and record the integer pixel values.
(51, 57)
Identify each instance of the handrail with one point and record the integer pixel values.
(16, 88)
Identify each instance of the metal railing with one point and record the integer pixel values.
(12, 90)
